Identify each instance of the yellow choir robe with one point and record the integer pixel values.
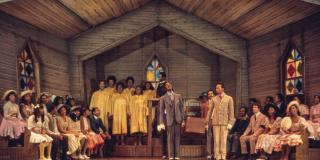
(109, 92)
(138, 113)
(100, 99)
(119, 111)
(150, 94)
(129, 92)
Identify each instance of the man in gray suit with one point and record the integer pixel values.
(171, 119)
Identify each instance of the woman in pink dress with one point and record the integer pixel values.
(95, 141)
(12, 125)
(314, 122)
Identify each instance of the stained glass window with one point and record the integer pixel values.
(294, 73)
(154, 69)
(26, 70)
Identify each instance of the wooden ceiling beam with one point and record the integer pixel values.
(244, 16)
(88, 25)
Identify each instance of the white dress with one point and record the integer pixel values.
(36, 137)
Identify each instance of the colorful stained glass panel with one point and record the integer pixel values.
(289, 87)
(291, 70)
(26, 70)
(153, 71)
(298, 85)
(299, 68)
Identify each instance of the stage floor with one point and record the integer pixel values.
(146, 158)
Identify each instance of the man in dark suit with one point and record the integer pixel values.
(97, 124)
(279, 101)
(171, 119)
(161, 90)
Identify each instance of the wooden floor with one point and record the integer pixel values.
(146, 158)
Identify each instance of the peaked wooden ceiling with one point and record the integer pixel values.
(247, 18)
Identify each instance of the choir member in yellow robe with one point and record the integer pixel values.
(149, 93)
(119, 112)
(130, 89)
(109, 91)
(100, 100)
(138, 115)
(111, 80)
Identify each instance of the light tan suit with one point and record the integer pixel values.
(252, 132)
(221, 112)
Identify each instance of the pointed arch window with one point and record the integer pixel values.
(293, 75)
(153, 70)
(28, 70)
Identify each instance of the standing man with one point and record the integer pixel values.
(171, 107)
(100, 100)
(161, 90)
(209, 128)
(222, 117)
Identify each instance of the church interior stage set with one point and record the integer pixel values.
(256, 48)
(190, 67)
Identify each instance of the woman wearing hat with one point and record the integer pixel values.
(11, 125)
(292, 128)
(64, 127)
(26, 105)
(38, 125)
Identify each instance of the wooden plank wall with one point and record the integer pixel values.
(264, 54)
(52, 54)
(191, 68)
(111, 34)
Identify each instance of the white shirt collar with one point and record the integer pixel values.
(170, 93)
(95, 117)
(257, 114)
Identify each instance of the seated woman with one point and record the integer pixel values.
(75, 127)
(291, 129)
(314, 121)
(26, 105)
(303, 109)
(38, 125)
(12, 125)
(138, 115)
(65, 128)
(60, 142)
(94, 141)
(267, 140)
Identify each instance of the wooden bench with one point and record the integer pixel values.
(27, 152)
